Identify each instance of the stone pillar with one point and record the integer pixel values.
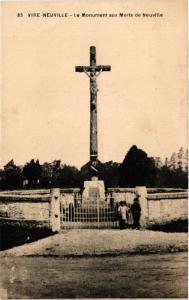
(142, 193)
(55, 210)
(93, 108)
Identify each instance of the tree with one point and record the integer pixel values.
(137, 169)
(56, 173)
(32, 172)
(166, 162)
(69, 176)
(46, 175)
(186, 155)
(2, 178)
(157, 161)
(186, 160)
(64, 175)
(181, 153)
(12, 177)
(109, 172)
(181, 158)
(169, 178)
(173, 161)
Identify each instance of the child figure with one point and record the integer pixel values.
(123, 214)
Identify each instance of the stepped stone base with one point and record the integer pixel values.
(93, 190)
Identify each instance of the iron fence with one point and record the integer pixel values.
(90, 214)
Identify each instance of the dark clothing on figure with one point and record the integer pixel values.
(122, 224)
(136, 212)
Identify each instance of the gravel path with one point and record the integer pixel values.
(102, 242)
(123, 276)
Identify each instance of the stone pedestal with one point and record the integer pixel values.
(93, 190)
(142, 193)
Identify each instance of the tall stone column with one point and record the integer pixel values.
(93, 71)
(142, 193)
(93, 109)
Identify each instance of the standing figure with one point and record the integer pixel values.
(123, 213)
(136, 212)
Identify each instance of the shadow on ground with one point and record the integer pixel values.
(11, 236)
(176, 226)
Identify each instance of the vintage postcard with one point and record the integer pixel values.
(93, 155)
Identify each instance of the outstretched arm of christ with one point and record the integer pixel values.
(94, 76)
(86, 73)
(97, 74)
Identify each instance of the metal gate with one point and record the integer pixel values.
(88, 214)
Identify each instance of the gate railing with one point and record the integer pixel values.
(88, 214)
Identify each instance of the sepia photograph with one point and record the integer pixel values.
(94, 149)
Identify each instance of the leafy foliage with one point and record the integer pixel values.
(135, 170)
(32, 172)
(11, 177)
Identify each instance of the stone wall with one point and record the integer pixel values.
(167, 207)
(159, 206)
(26, 210)
(121, 194)
(42, 208)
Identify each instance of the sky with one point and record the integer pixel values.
(45, 103)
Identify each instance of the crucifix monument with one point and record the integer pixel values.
(93, 71)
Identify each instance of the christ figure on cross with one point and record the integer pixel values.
(93, 76)
(93, 71)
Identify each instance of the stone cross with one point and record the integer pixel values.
(93, 71)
